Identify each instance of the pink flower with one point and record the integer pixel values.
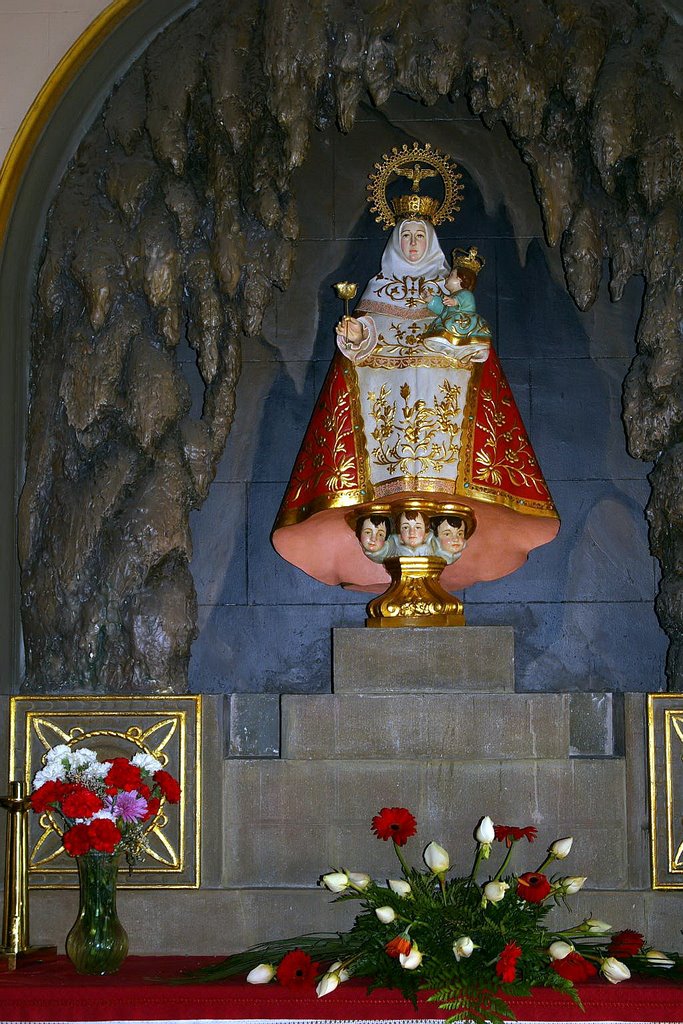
(129, 806)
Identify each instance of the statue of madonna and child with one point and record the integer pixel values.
(416, 467)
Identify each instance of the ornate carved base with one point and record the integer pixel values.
(415, 596)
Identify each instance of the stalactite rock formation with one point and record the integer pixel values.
(175, 219)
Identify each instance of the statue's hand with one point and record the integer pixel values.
(450, 301)
(350, 329)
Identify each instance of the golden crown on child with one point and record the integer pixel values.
(468, 259)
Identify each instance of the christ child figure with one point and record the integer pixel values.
(457, 320)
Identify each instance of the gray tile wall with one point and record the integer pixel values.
(582, 607)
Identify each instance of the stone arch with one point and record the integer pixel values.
(178, 209)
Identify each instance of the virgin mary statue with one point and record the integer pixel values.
(415, 417)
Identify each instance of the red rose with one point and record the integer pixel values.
(397, 946)
(123, 775)
(506, 966)
(394, 823)
(574, 967)
(49, 793)
(296, 969)
(168, 786)
(626, 943)
(153, 804)
(81, 802)
(77, 840)
(533, 887)
(104, 835)
(509, 833)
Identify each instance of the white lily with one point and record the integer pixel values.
(411, 960)
(400, 886)
(572, 884)
(336, 881)
(261, 975)
(339, 969)
(463, 947)
(593, 926)
(436, 858)
(495, 891)
(485, 831)
(561, 847)
(658, 959)
(558, 950)
(386, 914)
(327, 984)
(359, 878)
(614, 970)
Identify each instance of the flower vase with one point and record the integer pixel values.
(97, 943)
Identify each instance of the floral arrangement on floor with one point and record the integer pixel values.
(469, 942)
(102, 806)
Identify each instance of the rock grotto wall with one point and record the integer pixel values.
(176, 217)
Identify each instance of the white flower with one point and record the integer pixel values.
(614, 970)
(81, 758)
(411, 960)
(59, 753)
(561, 847)
(658, 959)
(336, 881)
(495, 891)
(436, 858)
(327, 984)
(146, 762)
(463, 947)
(572, 884)
(558, 950)
(94, 772)
(592, 926)
(52, 771)
(261, 975)
(485, 831)
(339, 969)
(359, 879)
(400, 887)
(104, 813)
(386, 914)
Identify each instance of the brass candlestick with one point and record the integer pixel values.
(15, 947)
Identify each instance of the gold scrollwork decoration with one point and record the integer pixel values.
(167, 728)
(422, 435)
(665, 757)
(52, 833)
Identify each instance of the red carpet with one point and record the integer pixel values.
(140, 992)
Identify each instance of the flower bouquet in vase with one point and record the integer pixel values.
(470, 942)
(101, 810)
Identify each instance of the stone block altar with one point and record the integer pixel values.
(427, 719)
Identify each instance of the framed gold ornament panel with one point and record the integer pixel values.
(665, 753)
(169, 728)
